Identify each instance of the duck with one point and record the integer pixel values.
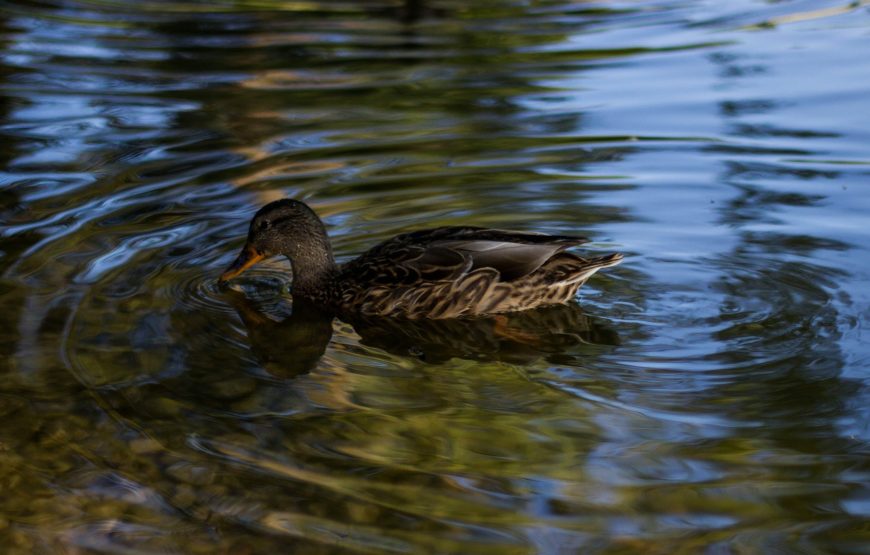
(442, 272)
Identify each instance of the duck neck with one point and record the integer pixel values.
(313, 268)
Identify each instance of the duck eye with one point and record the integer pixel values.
(263, 225)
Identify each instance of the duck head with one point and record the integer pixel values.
(290, 228)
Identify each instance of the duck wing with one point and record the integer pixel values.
(448, 253)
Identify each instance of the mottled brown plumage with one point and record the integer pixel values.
(446, 272)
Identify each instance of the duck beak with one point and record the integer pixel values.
(247, 258)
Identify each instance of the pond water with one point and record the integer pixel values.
(709, 395)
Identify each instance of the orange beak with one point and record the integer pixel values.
(247, 258)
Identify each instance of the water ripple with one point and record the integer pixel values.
(711, 390)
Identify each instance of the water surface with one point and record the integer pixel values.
(709, 395)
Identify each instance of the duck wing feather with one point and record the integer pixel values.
(448, 253)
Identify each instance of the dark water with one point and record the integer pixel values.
(709, 395)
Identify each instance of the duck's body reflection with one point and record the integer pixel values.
(294, 345)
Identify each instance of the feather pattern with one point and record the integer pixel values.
(450, 272)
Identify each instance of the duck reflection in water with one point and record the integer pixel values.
(294, 345)
(287, 347)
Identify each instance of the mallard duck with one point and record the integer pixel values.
(444, 272)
